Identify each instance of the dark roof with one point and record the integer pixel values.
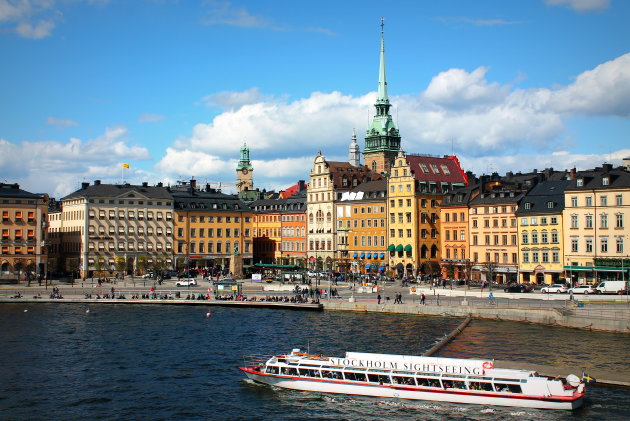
(14, 191)
(545, 198)
(211, 201)
(340, 169)
(594, 179)
(120, 191)
(293, 204)
(371, 186)
(459, 196)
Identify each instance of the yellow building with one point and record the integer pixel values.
(595, 221)
(361, 229)
(267, 228)
(415, 189)
(211, 228)
(23, 226)
(540, 233)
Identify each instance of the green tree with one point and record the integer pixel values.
(142, 264)
(19, 264)
(490, 269)
(30, 270)
(72, 266)
(120, 263)
(99, 266)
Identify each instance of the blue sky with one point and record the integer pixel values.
(175, 87)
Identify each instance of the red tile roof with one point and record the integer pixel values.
(418, 164)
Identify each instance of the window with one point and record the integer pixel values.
(603, 241)
(619, 220)
(462, 235)
(535, 257)
(525, 257)
(619, 242)
(603, 220)
(554, 220)
(524, 222)
(555, 256)
(603, 200)
(589, 245)
(545, 256)
(574, 202)
(619, 200)
(574, 245)
(588, 221)
(543, 237)
(589, 201)
(605, 181)
(534, 237)
(574, 221)
(554, 237)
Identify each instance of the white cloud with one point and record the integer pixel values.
(224, 13)
(604, 90)
(581, 5)
(150, 118)
(477, 22)
(55, 167)
(229, 100)
(61, 122)
(35, 30)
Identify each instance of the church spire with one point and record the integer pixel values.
(354, 156)
(382, 79)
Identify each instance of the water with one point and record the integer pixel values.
(173, 362)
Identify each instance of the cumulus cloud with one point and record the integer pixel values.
(484, 120)
(59, 122)
(581, 5)
(33, 19)
(150, 118)
(476, 22)
(55, 167)
(225, 13)
(604, 90)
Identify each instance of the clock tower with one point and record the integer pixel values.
(244, 170)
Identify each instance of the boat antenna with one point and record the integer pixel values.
(308, 346)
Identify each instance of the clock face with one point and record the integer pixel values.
(244, 170)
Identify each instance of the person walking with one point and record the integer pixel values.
(422, 299)
(378, 298)
(491, 298)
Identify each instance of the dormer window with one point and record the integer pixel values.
(605, 181)
(580, 182)
(550, 205)
(528, 205)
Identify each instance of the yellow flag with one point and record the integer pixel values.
(125, 165)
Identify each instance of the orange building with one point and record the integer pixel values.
(267, 229)
(455, 249)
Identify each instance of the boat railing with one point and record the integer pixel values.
(256, 359)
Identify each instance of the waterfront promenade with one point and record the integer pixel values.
(593, 312)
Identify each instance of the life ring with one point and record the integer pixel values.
(413, 290)
(488, 365)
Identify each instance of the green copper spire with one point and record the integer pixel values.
(244, 161)
(382, 135)
(382, 80)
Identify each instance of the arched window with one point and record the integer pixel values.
(374, 166)
(344, 181)
(329, 217)
(310, 218)
(424, 251)
(434, 251)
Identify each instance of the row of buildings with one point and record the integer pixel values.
(398, 213)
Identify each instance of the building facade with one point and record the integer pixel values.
(362, 229)
(454, 233)
(107, 228)
(596, 233)
(211, 228)
(24, 232)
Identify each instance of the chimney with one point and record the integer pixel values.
(607, 167)
(572, 173)
(626, 163)
(160, 184)
(84, 185)
(145, 184)
(193, 183)
(97, 182)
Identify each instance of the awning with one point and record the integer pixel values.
(382, 256)
(391, 247)
(609, 269)
(368, 266)
(408, 247)
(362, 255)
(399, 247)
(579, 268)
(369, 255)
(355, 255)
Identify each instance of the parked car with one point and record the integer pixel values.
(557, 288)
(518, 288)
(148, 275)
(582, 289)
(186, 282)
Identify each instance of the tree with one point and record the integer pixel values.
(142, 264)
(99, 266)
(30, 270)
(158, 265)
(72, 266)
(490, 269)
(19, 264)
(450, 269)
(120, 263)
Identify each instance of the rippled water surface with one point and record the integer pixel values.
(173, 362)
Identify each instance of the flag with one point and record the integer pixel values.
(587, 379)
(125, 165)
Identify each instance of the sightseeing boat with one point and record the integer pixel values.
(410, 377)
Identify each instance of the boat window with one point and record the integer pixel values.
(357, 377)
(331, 374)
(507, 388)
(272, 370)
(378, 378)
(480, 386)
(289, 371)
(403, 380)
(306, 372)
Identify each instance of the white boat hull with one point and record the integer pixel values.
(413, 392)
